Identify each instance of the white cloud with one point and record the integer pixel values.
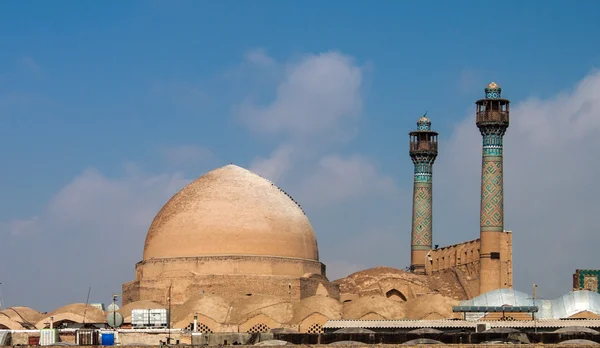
(276, 165)
(317, 95)
(260, 58)
(337, 179)
(21, 227)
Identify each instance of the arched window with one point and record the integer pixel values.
(395, 295)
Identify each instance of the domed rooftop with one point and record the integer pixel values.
(231, 211)
(493, 91)
(424, 123)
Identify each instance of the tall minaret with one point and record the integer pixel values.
(423, 151)
(492, 121)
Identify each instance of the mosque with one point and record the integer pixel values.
(235, 253)
(234, 249)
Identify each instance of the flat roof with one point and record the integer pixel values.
(450, 323)
(489, 309)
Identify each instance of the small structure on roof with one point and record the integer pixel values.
(573, 305)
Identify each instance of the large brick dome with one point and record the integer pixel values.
(231, 211)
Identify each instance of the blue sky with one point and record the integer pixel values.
(143, 96)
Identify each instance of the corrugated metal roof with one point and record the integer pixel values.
(495, 309)
(389, 324)
(563, 307)
(416, 324)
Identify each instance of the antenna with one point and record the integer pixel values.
(113, 318)
(86, 304)
(169, 314)
(533, 300)
(534, 296)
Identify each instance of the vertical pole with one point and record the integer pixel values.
(534, 296)
(169, 316)
(114, 311)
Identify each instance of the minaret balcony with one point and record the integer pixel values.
(423, 147)
(492, 117)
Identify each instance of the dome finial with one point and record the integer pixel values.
(493, 91)
(424, 123)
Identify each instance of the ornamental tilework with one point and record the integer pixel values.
(492, 151)
(492, 145)
(590, 283)
(422, 224)
(423, 169)
(424, 124)
(588, 279)
(492, 95)
(492, 196)
(493, 91)
(423, 177)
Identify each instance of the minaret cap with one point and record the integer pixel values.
(493, 91)
(424, 123)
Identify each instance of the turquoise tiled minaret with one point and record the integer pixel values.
(492, 121)
(423, 152)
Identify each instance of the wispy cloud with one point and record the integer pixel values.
(336, 179)
(27, 62)
(260, 58)
(316, 95)
(317, 103)
(276, 165)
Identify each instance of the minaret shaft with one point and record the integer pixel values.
(491, 219)
(422, 227)
(423, 152)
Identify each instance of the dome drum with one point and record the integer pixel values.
(226, 286)
(225, 264)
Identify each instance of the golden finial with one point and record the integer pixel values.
(492, 85)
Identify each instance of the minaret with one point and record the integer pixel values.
(423, 151)
(492, 121)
